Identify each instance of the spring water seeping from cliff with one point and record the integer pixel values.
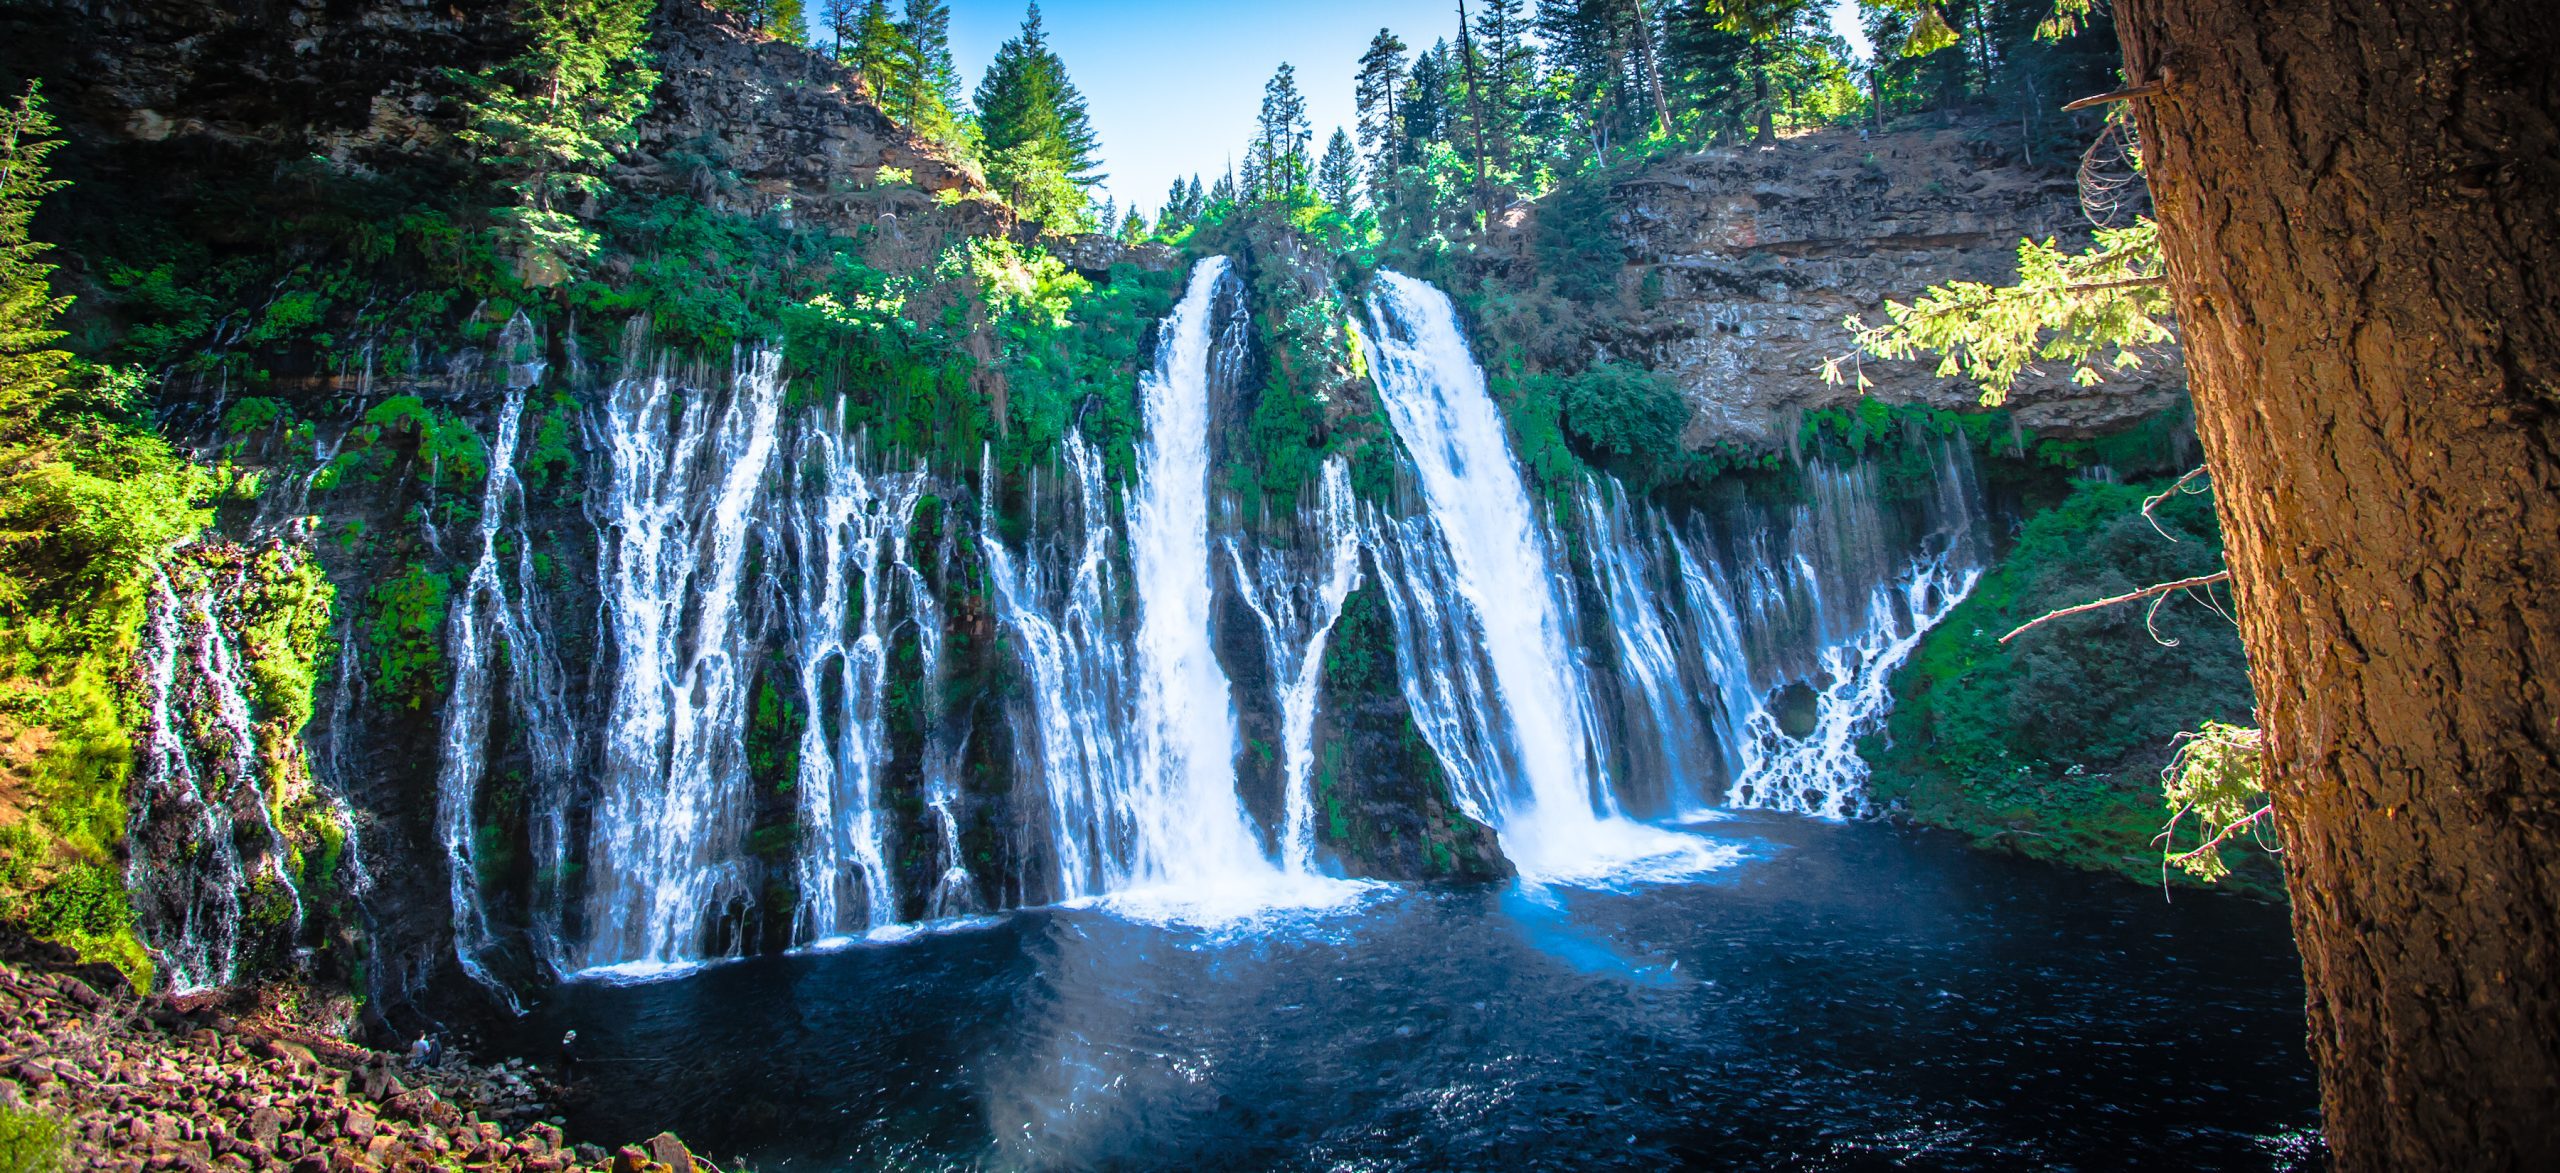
(674, 518)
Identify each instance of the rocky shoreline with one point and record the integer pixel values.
(128, 1082)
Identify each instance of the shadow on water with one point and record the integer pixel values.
(1845, 997)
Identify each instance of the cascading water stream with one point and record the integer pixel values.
(199, 780)
(1294, 635)
(1486, 541)
(1672, 746)
(1189, 830)
(673, 521)
(846, 529)
(462, 751)
(1070, 648)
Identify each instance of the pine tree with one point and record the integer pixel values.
(1425, 106)
(842, 21)
(1280, 148)
(1508, 72)
(546, 123)
(1765, 23)
(1379, 93)
(1339, 174)
(880, 54)
(1133, 228)
(781, 19)
(1222, 194)
(30, 368)
(931, 82)
(1039, 140)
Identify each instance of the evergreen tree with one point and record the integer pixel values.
(930, 93)
(1508, 73)
(1425, 107)
(1039, 140)
(1378, 94)
(1285, 136)
(1771, 27)
(1339, 174)
(880, 54)
(783, 20)
(1594, 48)
(547, 122)
(842, 22)
(1134, 228)
(29, 365)
(1222, 194)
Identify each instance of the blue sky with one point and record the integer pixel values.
(1174, 87)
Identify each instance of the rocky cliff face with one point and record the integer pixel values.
(747, 123)
(754, 125)
(1741, 263)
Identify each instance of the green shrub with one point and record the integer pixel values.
(30, 1142)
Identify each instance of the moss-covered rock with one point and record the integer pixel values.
(2052, 746)
(1383, 807)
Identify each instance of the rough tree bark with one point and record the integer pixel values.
(2360, 202)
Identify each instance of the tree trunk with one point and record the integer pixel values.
(1760, 92)
(2360, 204)
(1475, 109)
(1652, 72)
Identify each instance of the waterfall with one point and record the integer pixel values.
(203, 835)
(1070, 649)
(500, 609)
(1189, 830)
(1839, 550)
(1528, 766)
(1297, 613)
(1667, 739)
(848, 535)
(673, 519)
(462, 750)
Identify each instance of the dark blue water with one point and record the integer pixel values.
(1847, 997)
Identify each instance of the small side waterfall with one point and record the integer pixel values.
(1668, 742)
(674, 518)
(210, 869)
(462, 751)
(847, 531)
(1070, 650)
(1297, 614)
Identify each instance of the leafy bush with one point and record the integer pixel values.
(1631, 418)
(85, 900)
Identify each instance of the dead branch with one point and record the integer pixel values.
(2150, 89)
(2164, 494)
(2135, 596)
